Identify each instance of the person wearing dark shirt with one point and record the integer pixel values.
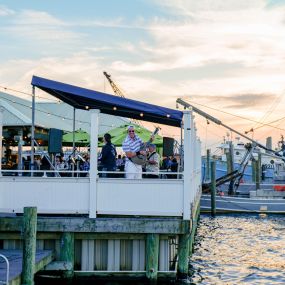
(108, 156)
(173, 168)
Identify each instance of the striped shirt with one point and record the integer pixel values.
(132, 145)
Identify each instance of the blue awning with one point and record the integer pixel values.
(81, 98)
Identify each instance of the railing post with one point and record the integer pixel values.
(29, 245)
(1, 134)
(188, 164)
(93, 173)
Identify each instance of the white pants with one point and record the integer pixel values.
(133, 171)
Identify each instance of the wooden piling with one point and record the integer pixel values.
(208, 165)
(253, 169)
(152, 249)
(258, 171)
(67, 252)
(230, 166)
(183, 255)
(230, 159)
(29, 245)
(213, 188)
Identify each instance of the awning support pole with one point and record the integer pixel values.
(1, 134)
(73, 129)
(33, 131)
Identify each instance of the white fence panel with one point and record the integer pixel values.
(49, 195)
(140, 197)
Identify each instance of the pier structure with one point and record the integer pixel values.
(109, 227)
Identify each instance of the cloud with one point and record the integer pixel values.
(4, 11)
(32, 17)
(238, 101)
(39, 26)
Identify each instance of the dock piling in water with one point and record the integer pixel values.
(29, 245)
(213, 188)
(208, 165)
(183, 256)
(152, 250)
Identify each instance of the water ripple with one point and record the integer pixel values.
(239, 249)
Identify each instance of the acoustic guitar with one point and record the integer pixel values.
(141, 159)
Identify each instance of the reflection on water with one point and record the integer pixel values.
(240, 250)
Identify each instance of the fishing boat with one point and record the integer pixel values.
(270, 198)
(273, 167)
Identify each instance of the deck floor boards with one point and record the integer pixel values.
(15, 258)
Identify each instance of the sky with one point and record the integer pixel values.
(225, 57)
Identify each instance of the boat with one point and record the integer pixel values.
(273, 167)
(269, 198)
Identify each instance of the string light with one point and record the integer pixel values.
(50, 114)
(29, 94)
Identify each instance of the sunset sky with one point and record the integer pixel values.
(226, 57)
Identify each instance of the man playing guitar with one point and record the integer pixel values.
(132, 147)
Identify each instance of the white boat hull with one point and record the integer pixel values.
(226, 204)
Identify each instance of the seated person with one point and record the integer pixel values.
(152, 163)
(120, 163)
(166, 163)
(173, 168)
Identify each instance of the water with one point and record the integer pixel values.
(240, 250)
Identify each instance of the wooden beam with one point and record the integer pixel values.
(18, 236)
(123, 274)
(101, 225)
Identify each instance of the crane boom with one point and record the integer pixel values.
(118, 92)
(218, 122)
(115, 88)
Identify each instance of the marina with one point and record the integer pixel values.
(142, 142)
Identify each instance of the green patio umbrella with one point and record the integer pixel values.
(119, 134)
(82, 138)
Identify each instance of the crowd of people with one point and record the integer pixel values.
(140, 160)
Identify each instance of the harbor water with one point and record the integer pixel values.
(234, 249)
(240, 249)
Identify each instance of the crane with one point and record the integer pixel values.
(118, 92)
(115, 88)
